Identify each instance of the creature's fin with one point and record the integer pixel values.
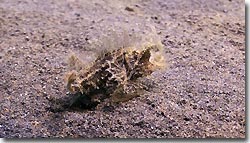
(126, 92)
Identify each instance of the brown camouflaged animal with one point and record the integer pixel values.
(114, 74)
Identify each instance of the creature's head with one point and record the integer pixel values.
(157, 56)
(153, 55)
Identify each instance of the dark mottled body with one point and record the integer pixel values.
(113, 74)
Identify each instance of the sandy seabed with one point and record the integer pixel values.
(201, 94)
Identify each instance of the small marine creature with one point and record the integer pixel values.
(114, 74)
